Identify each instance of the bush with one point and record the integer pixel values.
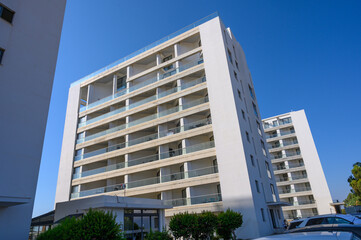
(164, 235)
(228, 222)
(98, 225)
(207, 224)
(182, 225)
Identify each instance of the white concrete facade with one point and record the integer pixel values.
(27, 70)
(177, 122)
(297, 167)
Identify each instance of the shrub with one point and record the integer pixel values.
(164, 235)
(182, 225)
(207, 224)
(228, 222)
(98, 225)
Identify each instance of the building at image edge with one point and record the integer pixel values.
(297, 167)
(176, 121)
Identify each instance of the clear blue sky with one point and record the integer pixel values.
(302, 55)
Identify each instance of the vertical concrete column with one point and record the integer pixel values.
(158, 61)
(176, 54)
(189, 190)
(161, 219)
(115, 78)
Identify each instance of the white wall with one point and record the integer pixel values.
(235, 171)
(26, 78)
(312, 162)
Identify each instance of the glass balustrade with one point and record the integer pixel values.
(287, 167)
(285, 155)
(148, 181)
(285, 179)
(277, 123)
(143, 101)
(140, 85)
(183, 30)
(147, 138)
(194, 200)
(144, 119)
(151, 158)
(285, 191)
(279, 134)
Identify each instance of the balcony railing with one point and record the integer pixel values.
(285, 155)
(278, 123)
(147, 138)
(285, 191)
(150, 158)
(194, 200)
(283, 144)
(143, 101)
(279, 134)
(177, 33)
(148, 181)
(142, 84)
(145, 119)
(300, 203)
(285, 179)
(278, 167)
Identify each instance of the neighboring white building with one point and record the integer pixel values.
(29, 39)
(177, 121)
(297, 167)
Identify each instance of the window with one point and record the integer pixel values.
(272, 189)
(230, 56)
(255, 109)
(251, 91)
(259, 128)
(236, 64)
(167, 58)
(252, 160)
(263, 148)
(243, 114)
(247, 135)
(239, 94)
(121, 83)
(257, 186)
(262, 213)
(234, 51)
(6, 13)
(235, 75)
(268, 170)
(1, 54)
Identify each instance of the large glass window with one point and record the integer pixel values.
(121, 83)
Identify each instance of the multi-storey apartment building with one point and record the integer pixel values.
(297, 167)
(29, 39)
(177, 121)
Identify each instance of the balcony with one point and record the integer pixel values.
(151, 137)
(287, 179)
(148, 181)
(280, 122)
(287, 155)
(277, 145)
(211, 198)
(147, 159)
(287, 191)
(142, 84)
(144, 119)
(281, 167)
(281, 134)
(143, 101)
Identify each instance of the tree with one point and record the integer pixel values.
(182, 225)
(207, 224)
(98, 225)
(355, 183)
(164, 235)
(228, 222)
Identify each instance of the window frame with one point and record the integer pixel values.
(2, 52)
(2, 7)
